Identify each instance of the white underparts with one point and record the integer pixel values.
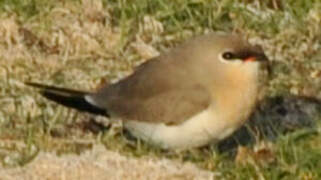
(199, 130)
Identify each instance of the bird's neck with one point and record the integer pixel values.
(238, 100)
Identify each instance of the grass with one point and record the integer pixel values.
(83, 44)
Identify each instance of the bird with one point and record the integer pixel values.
(195, 94)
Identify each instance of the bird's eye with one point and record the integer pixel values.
(228, 55)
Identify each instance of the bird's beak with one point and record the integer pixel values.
(250, 59)
(256, 57)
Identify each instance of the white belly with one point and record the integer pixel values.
(200, 130)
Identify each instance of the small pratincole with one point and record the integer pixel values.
(193, 95)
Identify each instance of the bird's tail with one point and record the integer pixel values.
(69, 98)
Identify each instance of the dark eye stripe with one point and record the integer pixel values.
(246, 54)
(243, 55)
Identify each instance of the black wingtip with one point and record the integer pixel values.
(53, 88)
(75, 102)
(69, 98)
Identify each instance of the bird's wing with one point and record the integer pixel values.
(171, 107)
(155, 93)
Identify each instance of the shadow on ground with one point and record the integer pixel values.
(275, 116)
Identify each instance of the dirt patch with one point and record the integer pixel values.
(100, 163)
